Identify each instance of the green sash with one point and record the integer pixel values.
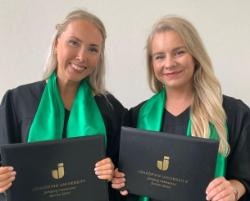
(85, 118)
(150, 118)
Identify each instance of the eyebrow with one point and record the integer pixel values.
(180, 47)
(91, 44)
(94, 45)
(173, 50)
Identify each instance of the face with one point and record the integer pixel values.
(78, 51)
(173, 65)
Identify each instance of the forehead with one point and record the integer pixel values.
(83, 30)
(166, 40)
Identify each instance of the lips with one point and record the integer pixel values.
(172, 73)
(78, 67)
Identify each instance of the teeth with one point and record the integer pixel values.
(78, 68)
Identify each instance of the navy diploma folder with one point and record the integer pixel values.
(165, 166)
(56, 170)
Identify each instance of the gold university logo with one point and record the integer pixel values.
(163, 165)
(59, 172)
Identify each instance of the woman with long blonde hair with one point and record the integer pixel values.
(180, 74)
(71, 100)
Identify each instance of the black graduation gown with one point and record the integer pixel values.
(238, 124)
(19, 106)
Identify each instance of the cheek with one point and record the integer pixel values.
(94, 61)
(60, 60)
(155, 67)
(188, 64)
(64, 52)
(190, 72)
(156, 70)
(59, 53)
(191, 67)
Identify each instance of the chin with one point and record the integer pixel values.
(77, 78)
(173, 85)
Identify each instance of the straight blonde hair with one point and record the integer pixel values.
(207, 106)
(96, 79)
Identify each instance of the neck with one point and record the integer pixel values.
(68, 91)
(178, 100)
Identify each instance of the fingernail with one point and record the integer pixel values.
(13, 173)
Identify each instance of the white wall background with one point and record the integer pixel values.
(26, 28)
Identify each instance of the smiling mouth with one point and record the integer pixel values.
(78, 67)
(173, 73)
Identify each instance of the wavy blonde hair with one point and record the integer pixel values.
(207, 105)
(96, 79)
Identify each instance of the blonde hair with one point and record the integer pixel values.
(96, 79)
(207, 105)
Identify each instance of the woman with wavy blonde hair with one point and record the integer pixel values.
(207, 97)
(190, 102)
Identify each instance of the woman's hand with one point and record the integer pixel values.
(118, 182)
(7, 176)
(104, 169)
(222, 189)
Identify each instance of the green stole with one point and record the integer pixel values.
(150, 118)
(85, 118)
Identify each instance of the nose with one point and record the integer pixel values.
(81, 54)
(170, 62)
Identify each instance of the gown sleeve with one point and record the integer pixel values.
(238, 124)
(8, 121)
(17, 111)
(113, 114)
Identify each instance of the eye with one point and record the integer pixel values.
(180, 52)
(73, 43)
(158, 57)
(93, 49)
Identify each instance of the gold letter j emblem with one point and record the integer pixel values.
(59, 172)
(163, 165)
